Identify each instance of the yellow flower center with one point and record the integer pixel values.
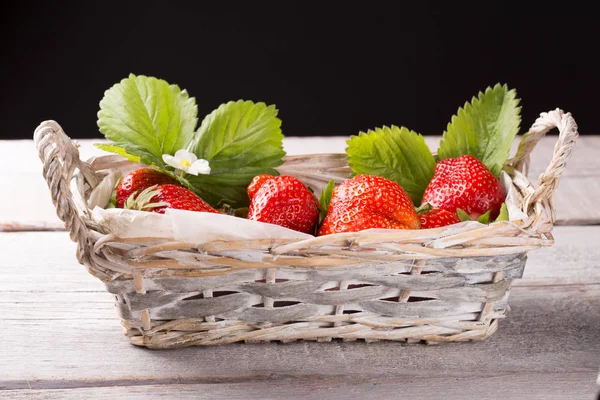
(185, 163)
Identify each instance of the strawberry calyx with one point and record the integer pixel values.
(143, 200)
(112, 203)
(324, 201)
(464, 216)
(228, 207)
(424, 208)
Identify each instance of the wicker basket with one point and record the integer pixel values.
(435, 285)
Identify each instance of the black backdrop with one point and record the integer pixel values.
(330, 67)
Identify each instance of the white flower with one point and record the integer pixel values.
(187, 162)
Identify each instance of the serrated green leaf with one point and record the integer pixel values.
(503, 216)
(394, 153)
(484, 128)
(131, 152)
(230, 186)
(462, 215)
(148, 113)
(240, 140)
(485, 218)
(325, 199)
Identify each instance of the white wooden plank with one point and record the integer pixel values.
(551, 330)
(28, 206)
(573, 259)
(523, 386)
(60, 330)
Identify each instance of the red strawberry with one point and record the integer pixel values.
(157, 198)
(367, 201)
(283, 200)
(257, 183)
(140, 179)
(437, 217)
(465, 183)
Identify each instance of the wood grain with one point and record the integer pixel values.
(30, 208)
(61, 337)
(551, 330)
(522, 386)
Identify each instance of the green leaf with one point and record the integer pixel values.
(484, 128)
(394, 153)
(325, 199)
(462, 215)
(131, 152)
(424, 208)
(229, 186)
(503, 216)
(240, 140)
(182, 179)
(485, 218)
(148, 113)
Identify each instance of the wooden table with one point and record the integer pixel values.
(60, 336)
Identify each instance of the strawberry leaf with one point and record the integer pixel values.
(484, 128)
(325, 200)
(147, 114)
(398, 154)
(462, 215)
(503, 216)
(485, 218)
(132, 153)
(240, 140)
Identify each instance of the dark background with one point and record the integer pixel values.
(331, 68)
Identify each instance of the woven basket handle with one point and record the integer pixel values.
(547, 181)
(60, 158)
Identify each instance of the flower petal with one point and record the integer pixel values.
(185, 155)
(200, 166)
(170, 160)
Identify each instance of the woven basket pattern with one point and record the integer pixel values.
(435, 285)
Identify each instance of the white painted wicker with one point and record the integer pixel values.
(435, 285)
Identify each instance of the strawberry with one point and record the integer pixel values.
(157, 198)
(257, 183)
(283, 200)
(368, 201)
(140, 179)
(437, 217)
(465, 183)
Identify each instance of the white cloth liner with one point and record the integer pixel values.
(189, 226)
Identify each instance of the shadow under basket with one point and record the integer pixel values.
(432, 285)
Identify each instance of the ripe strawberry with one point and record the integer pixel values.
(157, 198)
(140, 179)
(283, 200)
(368, 201)
(257, 183)
(437, 217)
(465, 183)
